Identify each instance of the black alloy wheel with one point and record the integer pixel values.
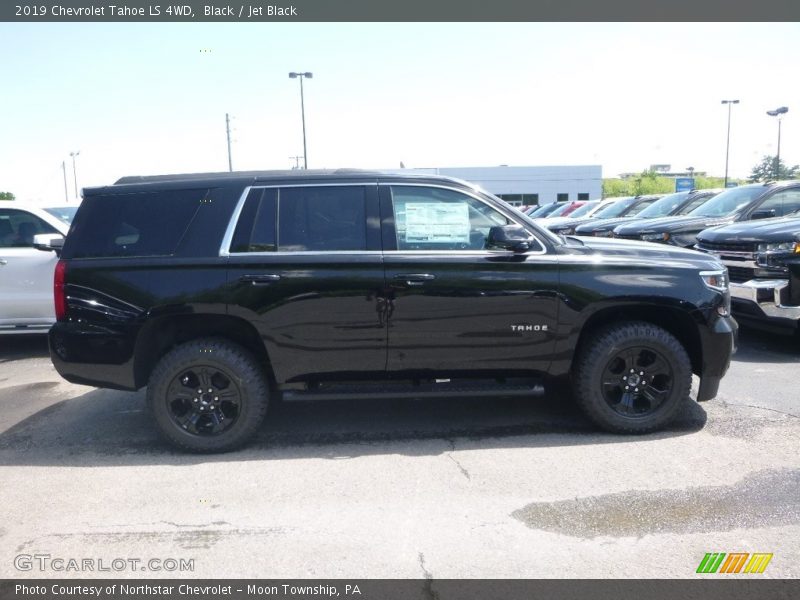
(636, 381)
(204, 400)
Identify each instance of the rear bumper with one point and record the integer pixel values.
(92, 356)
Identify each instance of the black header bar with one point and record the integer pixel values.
(401, 11)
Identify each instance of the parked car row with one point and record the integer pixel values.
(754, 230)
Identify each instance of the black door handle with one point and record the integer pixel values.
(260, 279)
(414, 279)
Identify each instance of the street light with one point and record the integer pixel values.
(728, 139)
(778, 112)
(302, 76)
(74, 172)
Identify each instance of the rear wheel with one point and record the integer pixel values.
(208, 396)
(632, 377)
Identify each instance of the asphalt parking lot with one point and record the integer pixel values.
(411, 489)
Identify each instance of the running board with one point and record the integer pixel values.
(435, 390)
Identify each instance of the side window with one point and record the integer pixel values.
(17, 228)
(137, 224)
(782, 203)
(438, 219)
(256, 230)
(327, 218)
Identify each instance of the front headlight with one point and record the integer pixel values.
(782, 247)
(606, 233)
(716, 280)
(655, 237)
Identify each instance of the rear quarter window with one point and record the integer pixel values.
(138, 224)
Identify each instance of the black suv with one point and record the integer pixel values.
(754, 201)
(763, 260)
(220, 292)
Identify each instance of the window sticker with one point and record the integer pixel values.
(437, 222)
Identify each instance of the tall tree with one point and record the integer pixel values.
(765, 171)
(6, 196)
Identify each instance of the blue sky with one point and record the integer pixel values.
(144, 99)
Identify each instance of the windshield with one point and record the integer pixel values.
(543, 210)
(639, 207)
(728, 201)
(665, 206)
(561, 210)
(695, 203)
(585, 209)
(63, 213)
(616, 209)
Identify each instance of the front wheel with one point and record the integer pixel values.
(632, 377)
(208, 396)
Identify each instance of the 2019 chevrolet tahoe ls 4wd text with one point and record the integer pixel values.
(220, 292)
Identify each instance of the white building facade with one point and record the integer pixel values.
(532, 185)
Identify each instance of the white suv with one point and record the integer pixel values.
(26, 273)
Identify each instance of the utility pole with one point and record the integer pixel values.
(75, 172)
(228, 133)
(64, 170)
(296, 160)
(302, 76)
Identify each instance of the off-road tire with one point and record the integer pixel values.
(597, 353)
(216, 355)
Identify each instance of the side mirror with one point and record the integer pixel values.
(763, 214)
(49, 242)
(508, 237)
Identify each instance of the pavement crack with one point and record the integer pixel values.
(775, 410)
(461, 468)
(427, 587)
(449, 455)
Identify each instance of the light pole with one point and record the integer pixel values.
(728, 139)
(75, 172)
(64, 170)
(778, 112)
(302, 76)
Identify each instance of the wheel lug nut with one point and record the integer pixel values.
(210, 390)
(632, 371)
(199, 391)
(216, 398)
(641, 372)
(196, 400)
(636, 390)
(624, 378)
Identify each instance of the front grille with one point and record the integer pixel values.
(741, 274)
(728, 247)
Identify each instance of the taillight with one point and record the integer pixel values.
(59, 292)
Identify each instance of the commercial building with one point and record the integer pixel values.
(532, 185)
